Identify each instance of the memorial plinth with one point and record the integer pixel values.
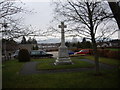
(63, 57)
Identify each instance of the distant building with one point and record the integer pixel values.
(103, 44)
(9, 46)
(112, 43)
(115, 43)
(42, 46)
(49, 46)
(26, 46)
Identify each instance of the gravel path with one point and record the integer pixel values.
(30, 68)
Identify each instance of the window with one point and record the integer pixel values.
(35, 52)
(84, 50)
(42, 52)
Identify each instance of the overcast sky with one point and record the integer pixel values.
(42, 17)
(42, 14)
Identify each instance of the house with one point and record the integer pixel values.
(103, 44)
(26, 46)
(9, 46)
(111, 43)
(115, 43)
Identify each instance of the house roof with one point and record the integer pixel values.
(115, 41)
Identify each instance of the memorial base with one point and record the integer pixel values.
(63, 61)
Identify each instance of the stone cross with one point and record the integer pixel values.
(62, 26)
(63, 57)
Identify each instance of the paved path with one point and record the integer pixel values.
(30, 68)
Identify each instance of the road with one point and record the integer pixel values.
(55, 53)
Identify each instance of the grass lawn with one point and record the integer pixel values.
(109, 61)
(12, 79)
(114, 49)
(49, 64)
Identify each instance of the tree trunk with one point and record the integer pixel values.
(116, 11)
(90, 13)
(96, 57)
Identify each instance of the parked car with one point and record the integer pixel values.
(40, 53)
(15, 55)
(84, 51)
(70, 52)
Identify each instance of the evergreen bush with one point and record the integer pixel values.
(23, 55)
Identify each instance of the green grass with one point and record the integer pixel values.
(12, 66)
(49, 64)
(12, 79)
(114, 49)
(63, 80)
(109, 61)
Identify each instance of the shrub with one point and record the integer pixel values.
(109, 54)
(113, 54)
(103, 53)
(23, 55)
(91, 52)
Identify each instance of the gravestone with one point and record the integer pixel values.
(63, 57)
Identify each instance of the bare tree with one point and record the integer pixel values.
(86, 17)
(10, 25)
